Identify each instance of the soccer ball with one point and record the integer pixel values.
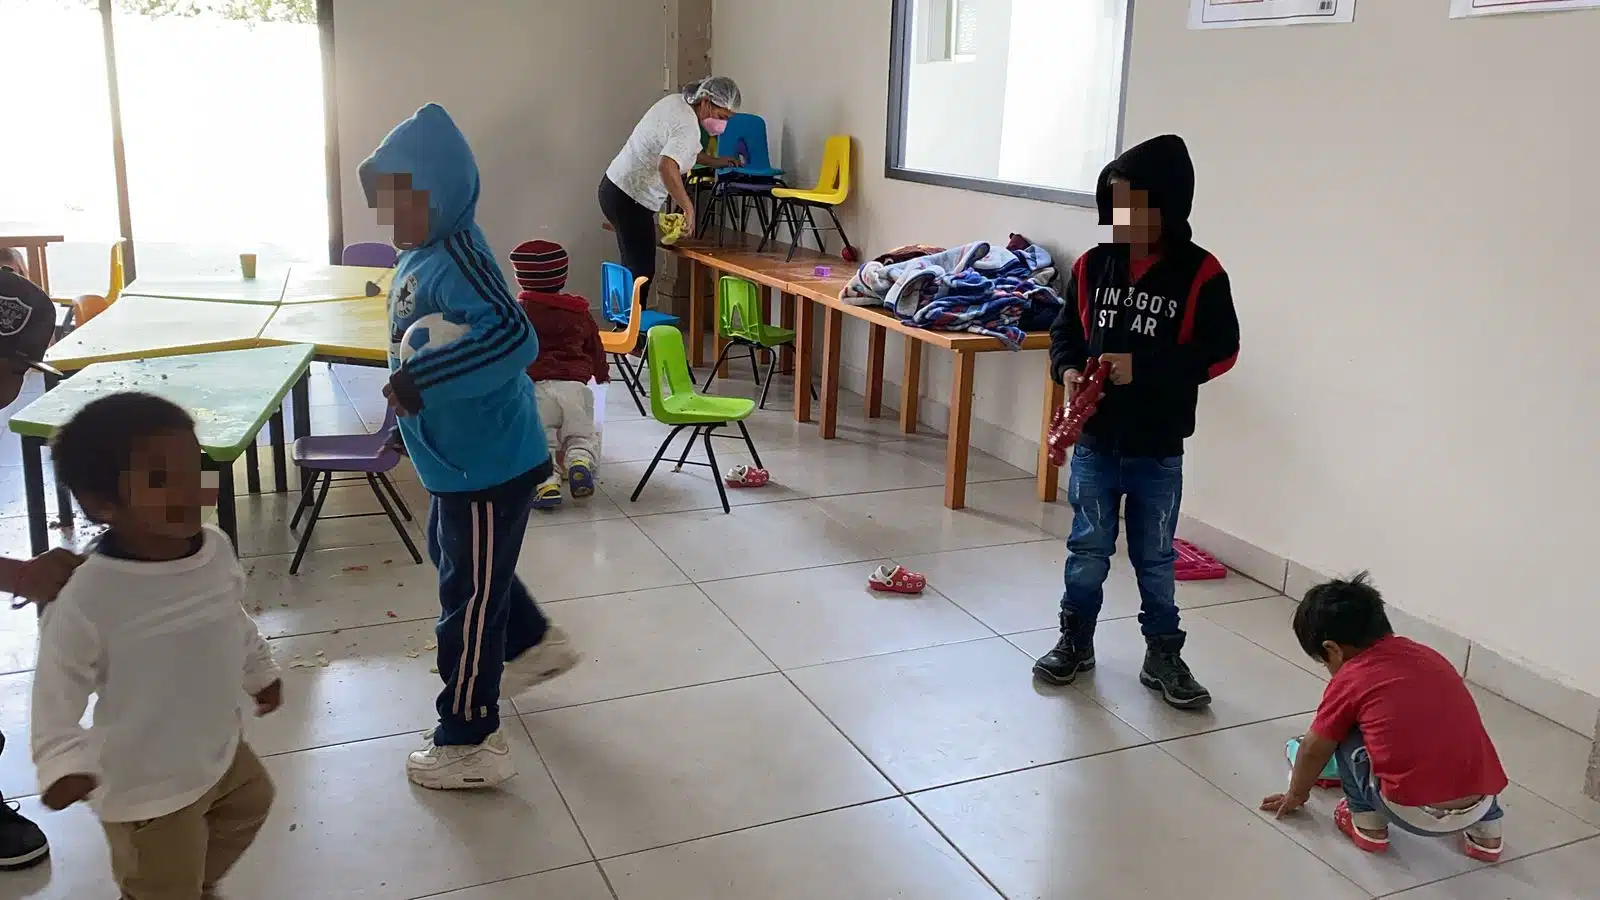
(429, 332)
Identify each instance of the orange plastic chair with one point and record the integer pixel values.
(618, 344)
(795, 205)
(87, 306)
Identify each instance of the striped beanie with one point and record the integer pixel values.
(541, 266)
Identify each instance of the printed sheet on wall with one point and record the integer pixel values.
(1204, 14)
(1463, 9)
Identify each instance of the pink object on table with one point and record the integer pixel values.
(1195, 564)
(822, 271)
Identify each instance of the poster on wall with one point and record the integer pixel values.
(1205, 14)
(1463, 9)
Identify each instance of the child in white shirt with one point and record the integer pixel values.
(152, 623)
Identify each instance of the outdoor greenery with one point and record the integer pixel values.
(299, 12)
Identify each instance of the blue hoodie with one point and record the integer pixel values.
(478, 426)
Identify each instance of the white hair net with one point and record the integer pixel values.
(719, 89)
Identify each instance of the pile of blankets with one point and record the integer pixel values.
(1002, 292)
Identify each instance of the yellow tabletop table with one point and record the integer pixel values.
(137, 327)
(267, 289)
(354, 331)
(321, 284)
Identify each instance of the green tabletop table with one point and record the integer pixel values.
(322, 284)
(266, 288)
(137, 327)
(355, 332)
(232, 395)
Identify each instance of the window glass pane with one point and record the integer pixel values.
(222, 119)
(1027, 91)
(56, 170)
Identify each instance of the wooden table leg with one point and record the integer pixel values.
(786, 320)
(875, 338)
(911, 386)
(803, 373)
(1049, 477)
(38, 268)
(697, 327)
(832, 333)
(955, 453)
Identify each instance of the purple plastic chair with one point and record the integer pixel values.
(372, 456)
(378, 256)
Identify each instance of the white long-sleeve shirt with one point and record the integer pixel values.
(166, 646)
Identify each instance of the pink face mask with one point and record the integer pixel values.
(714, 127)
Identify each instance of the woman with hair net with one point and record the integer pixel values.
(663, 147)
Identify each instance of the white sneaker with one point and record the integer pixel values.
(462, 767)
(549, 658)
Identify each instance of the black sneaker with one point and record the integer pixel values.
(22, 844)
(1165, 671)
(1072, 654)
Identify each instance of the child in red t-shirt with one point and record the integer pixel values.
(1410, 746)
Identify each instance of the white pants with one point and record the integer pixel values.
(567, 408)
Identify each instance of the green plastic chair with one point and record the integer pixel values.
(739, 323)
(674, 401)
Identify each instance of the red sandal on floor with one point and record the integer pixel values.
(897, 580)
(746, 477)
(1478, 851)
(1345, 819)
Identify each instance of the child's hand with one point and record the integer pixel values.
(67, 791)
(396, 403)
(1281, 805)
(40, 579)
(1072, 379)
(270, 698)
(1121, 366)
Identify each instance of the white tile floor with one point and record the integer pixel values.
(750, 722)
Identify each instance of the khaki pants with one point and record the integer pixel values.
(182, 855)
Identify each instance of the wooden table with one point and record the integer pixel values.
(231, 394)
(33, 243)
(798, 283)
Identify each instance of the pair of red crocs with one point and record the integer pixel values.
(1345, 820)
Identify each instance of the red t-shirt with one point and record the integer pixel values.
(1421, 727)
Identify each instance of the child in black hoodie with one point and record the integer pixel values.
(1157, 310)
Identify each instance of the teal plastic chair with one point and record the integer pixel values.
(739, 323)
(675, 402)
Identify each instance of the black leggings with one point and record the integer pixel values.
(636, 232)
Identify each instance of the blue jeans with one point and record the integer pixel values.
(1361, 789)
(1152, 487)
(486, 615)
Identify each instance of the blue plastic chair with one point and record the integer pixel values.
(378, 256)
(746, 136)
(616, 307)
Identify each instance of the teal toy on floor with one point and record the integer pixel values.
(1330, 772)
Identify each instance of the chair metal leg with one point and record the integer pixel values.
(712, 375)
(755, 367)
(688, 445)
(311, 524)
(833, 213)
(388, 510)
(796, 230)
(770, 233)
(656, 460)
(308, 487)
(716, 473)
(755, 455)
(629, 379)
(399, 503)
(822, 245)
(772, 366)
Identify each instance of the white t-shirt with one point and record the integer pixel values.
(668, 129)
(167, 648)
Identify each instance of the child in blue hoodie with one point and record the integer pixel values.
(459, 348)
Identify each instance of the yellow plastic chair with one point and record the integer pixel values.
(618, 344)
(86, 306)
(795, 205)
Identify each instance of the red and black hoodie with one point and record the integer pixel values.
(569, 340)
(1172, 310)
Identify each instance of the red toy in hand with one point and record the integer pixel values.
(1066, 425)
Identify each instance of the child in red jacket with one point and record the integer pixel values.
(570, 355)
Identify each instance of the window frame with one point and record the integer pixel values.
(903, 49)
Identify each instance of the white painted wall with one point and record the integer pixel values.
(545, 92)
(1407, 206)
